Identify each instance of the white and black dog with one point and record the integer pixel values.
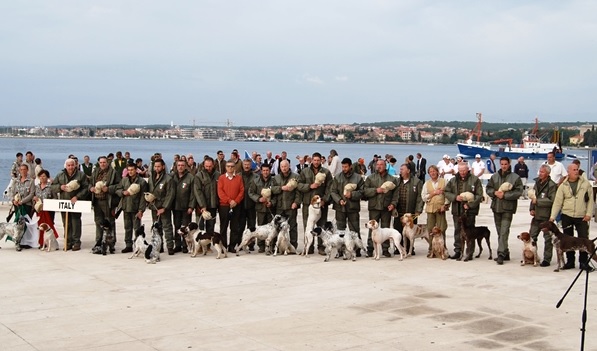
(152, 254)
(314, 216)
(140, 244)
(187, 233)
(14, 230)
(283, 242)
(268, 232)
(344, 241)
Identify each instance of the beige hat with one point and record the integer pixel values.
(134, 189)
(72, 186)
(149, 197)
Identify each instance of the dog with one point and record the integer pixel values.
(152, 253)
(283, 242)
(379, 235)
(412, 231)
(529, 250)
(201, 242)
(216, 241)
(140, 244)
(14, 231)
(564, 243)
(468, 235)
(329, 239)
(187, 233)
(438, 244)
(49, 238)
(314, 216)
(267, 232)
(108, 237)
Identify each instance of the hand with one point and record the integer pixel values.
(294, 206)
(314, 186)
(533, 213)
(379, 190)
(160, 211)
(140, 215)
(92, 189)
(262, 199)
(391, 208)
(104, 189)
(285, 188)
(551, 219)
(459, 198)
(466, 206)
(268, 204)
(499, 194)
(586, 218)
(63, 187)
(348, 195)
(74, 199)
(190, 211)
(342, 202)
(233, 204)
(126, 193)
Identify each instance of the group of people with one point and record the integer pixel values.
(244, 193)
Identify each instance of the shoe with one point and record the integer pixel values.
(359, 253)
(18, 248)
(507, 257)
(96, 250)
(68, 248)
(170, 251)
(455, 256)
(185, 250)
(568, 265)
(586, 267)
(127, 249)
(500, 260)
(76, 247)
(261, 250)
(386, 254)
(322, 252)
(177, 249)
(544, 264)
(231, 250)
(161, 249)
(413, 252)
(252, 248)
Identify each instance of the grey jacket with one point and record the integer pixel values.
(457, 186)
(354, 203)
(380, 202)
(307, 177)
(546, 194)
(206, 189)
(510, 201)
(285, 199)
(132, 203)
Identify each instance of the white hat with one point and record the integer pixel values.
(446, 156)
(477, 156)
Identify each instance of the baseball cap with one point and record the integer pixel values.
(446, 156)
(477, 156)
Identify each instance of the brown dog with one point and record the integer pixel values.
(564, 243)
(438, 244)
(529, 250)
(469, 234)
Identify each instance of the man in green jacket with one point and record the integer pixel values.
(347, 191)
(206, 193)
(264, 206)
(409, 199)
(104, 199)
(309, 187)
(464, 181)
(162, 187)
(59, 186)
(131, 204)
(574, 198)
(184, 202)
(504, 204)
(288, 199)
(545, 192)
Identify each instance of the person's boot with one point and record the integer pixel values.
(500, 259)
(127, 249)
(569, 260)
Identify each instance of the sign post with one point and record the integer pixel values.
(80, 206)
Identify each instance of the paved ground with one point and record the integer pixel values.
(80, 301)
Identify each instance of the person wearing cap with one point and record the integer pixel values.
(446, 168)
(347, 203)
(132, 205)
(503, 204)
(478, 166)
(309, 188)
(373, 164)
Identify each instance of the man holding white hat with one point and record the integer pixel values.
(446, 168)
(478, 166)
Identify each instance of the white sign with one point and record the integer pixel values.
(80, 206)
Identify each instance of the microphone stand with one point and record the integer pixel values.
(583, 329)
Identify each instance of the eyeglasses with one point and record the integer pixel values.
(229, 166)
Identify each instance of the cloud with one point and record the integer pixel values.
(341, 78)
(311, 79)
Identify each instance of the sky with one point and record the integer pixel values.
(260, 63)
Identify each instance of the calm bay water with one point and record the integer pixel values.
(53, 152)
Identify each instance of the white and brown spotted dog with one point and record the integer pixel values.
(314, 216)
(412, 231)
(379, 235)
(49, 238)
(283, 242)
(529, 250)
(438, 244)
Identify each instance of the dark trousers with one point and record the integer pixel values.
(180, 218)
(470, 221)
(582, 229)
(74, 228)
(384, 219)
(320, 222)
(399, 227)
(131, 223)
(208, 226)
(291, 215)
(248, 218)
(229, 217)
(101, 211)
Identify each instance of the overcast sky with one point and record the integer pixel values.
(296, 62)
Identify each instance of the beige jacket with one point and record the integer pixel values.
(576, 206)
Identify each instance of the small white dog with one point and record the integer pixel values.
(314, 216)
(283, 242)
(49, 238)
(379, 235)
(139, 245)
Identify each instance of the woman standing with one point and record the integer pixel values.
(24, 190)
(42, 192)
(436, 202)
